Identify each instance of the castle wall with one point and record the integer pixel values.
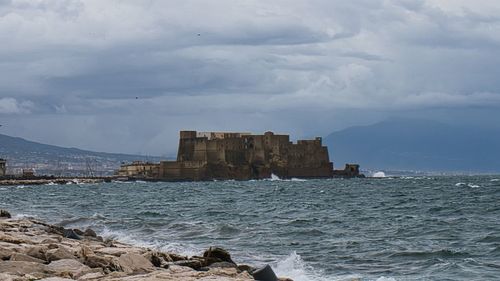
(220, 155)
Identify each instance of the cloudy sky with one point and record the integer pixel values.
(126, 76)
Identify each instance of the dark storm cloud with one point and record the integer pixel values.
(139, 71)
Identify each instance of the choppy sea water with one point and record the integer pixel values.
(423, 228)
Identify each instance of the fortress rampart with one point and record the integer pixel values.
(221, 155)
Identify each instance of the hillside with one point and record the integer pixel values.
(418, 145)
(50, 159)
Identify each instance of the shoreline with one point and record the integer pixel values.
(34, 250)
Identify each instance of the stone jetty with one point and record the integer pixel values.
(34, 250)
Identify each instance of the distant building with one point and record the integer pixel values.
(3, 163)
(28, 173)
(139, 169)
(350, 171)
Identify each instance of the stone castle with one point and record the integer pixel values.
(240, 156)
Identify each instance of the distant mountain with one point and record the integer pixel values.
(50, 159)
(418, 145)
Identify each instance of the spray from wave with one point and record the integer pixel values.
(378, 175)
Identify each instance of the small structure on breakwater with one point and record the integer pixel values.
(3, 164)
(240, 156)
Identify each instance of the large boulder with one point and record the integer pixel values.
(69, 268)
(218, 254)
(22, 268)
(5, 214)
(60, 253)
(90, 233)
(134, 263)
(23, 257)
(107, 263)
(37, 252)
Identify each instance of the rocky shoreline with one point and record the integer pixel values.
(34, 250)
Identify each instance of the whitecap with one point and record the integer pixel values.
(274, 178)
(378, 175)
(296, 179)
(51, 183)
(171, 247)
(495, 180)
(460, 184)
(22, 216)
(473, 185)
(385, 279)
(295, 268)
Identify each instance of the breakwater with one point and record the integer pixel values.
(34, 250)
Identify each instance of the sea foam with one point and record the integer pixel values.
(378, 175)
(294, 267)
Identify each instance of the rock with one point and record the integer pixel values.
(50, 241)
(5, 214)
(192, 263)
(265, 273)
(114, 251)
(245, 267)
(37, 252)
(21, 267)
(176, 257)
(91, 276)
(158, 259)
(23, 257)
(70, 233)
(89, 232)
(58, 254)
(8, 277)
(107, 263)
(85, 251)
(11, 239)
(66, 267)
(5, 254)
(223, 264)
(78, 231)
(219, 253)
(134, 263)
(56, 279)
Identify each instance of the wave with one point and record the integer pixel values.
(294, 267)
(444, 253)
(378, 175)
(471, 185)
(82, 221)
(277, 178)
(172, 247)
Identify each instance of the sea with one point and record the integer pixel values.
(383, 229)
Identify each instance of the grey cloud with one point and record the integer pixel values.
(139, 71)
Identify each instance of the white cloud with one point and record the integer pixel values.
(12, 106)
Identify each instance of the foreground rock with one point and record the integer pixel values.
(33, 250)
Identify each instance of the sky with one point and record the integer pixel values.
(126, 76)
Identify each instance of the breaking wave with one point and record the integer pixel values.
(378, 175)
